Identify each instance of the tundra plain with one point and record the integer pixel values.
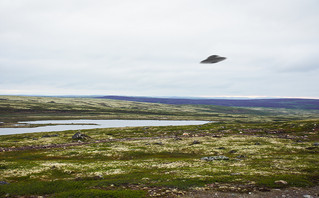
(259, 149)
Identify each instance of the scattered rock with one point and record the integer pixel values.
(195, 142)
(241, 156)
(316, 144)
(222, 147)
(79, 136)
(264, 189)
(307, 196)
(234, 174)
(212, 158)
(281, 182)
(47, 136)
(233, 151)
(98, 177)
(3, 183)
(158, 143)
(311, 148)
(257, 143)
(178, 138)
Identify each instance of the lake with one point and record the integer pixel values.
(64, 125)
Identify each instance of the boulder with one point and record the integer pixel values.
(46, 136)
(241, 156)
(195, 142)
(212, 158)
(233, 151)
(79, 136)
(281, 182)
(158, 143)
(307, 196)
(235, 174)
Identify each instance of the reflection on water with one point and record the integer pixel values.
(63, 125)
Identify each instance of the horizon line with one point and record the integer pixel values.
(201, 96)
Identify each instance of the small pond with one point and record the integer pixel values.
(63, 125)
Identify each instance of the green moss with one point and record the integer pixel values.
(102, 193)
(292, 180)
(40, 187)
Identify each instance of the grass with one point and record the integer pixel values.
(65, 189)
(260, 148)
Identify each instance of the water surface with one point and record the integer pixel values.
(63, 125)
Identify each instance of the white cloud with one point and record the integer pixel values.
(148, 47)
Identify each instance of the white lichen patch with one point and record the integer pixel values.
(114, 172)
(54, 164)
(174, 165)
(169, 157)
(22, 172)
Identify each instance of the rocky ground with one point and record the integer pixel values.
(292, 192)
(214, 160)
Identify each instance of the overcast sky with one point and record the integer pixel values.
(153, 48)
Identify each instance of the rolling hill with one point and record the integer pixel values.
(289, 103)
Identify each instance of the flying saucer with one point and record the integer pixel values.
(213, 59)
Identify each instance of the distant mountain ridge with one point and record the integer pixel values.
(290, 103)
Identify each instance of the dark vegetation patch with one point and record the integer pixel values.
(63, 188)
(274, 103)
(41, 187)
(291, 179)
